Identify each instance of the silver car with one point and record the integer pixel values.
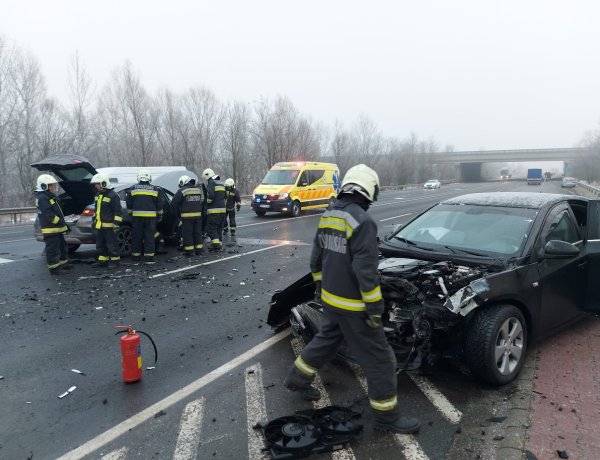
(431, 184)
(568, 182)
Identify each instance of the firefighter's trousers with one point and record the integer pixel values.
(191, 233)
(214, 227)
(106, 245)
(368, 346)
(56, 250)
(230, 214)
(143, 234)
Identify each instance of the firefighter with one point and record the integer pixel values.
(146, 208)
(232, 204)
(215, 208)
(189, 202)
(343, 264)
(52, 223)
(106, 221)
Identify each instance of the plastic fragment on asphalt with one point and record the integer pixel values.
(149, 368)
(69, 391)
(99, 308)
(242, 283)
(77, 371)
(562, 453)
(1, 377)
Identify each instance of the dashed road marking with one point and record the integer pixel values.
(256, 411)
(5, 261)
(395, 217)
(189, 431)
(119, 454)
(437, 399)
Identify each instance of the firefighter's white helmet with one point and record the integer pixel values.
(144, 176)
(184, 180)
(43, 181)
(101, 179)
(208, 173)
(361, 179)
(229, 182)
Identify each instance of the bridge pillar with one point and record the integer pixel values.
(470, 172)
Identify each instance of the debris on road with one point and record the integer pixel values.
(68, 392)
(77, 371)
(562, 454)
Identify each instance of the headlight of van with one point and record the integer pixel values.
(283, 196)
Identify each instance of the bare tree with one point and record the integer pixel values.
(8, 106)
(236, 143)
(81, 95)
(170, 127)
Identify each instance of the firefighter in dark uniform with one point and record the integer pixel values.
(189, 203)
(215, 208)
(344, 263)
(232, 204)
(106, 221)
(146, 208)
(52, 224)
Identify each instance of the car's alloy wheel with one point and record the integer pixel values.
(124, 240)
(295, 211)
(496, 343)
(260, 212)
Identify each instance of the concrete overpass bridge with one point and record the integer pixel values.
(469, 163)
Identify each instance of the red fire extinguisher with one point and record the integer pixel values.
(131, 353)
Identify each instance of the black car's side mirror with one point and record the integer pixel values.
(556, 249)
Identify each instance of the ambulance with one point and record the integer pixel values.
(293, 187)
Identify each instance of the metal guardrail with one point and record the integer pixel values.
(16, 214)
(593, 190)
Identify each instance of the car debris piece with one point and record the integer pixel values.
(77, 371)
(310, 432)
(69, 391)
(150, 368)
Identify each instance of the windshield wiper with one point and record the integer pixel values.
(412, 243)
(473, 253)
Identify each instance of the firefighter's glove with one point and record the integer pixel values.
(318, 291)
(238, 206)
(374, 321)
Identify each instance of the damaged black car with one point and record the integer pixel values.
(478, 277)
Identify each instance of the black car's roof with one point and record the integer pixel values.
(511, 199)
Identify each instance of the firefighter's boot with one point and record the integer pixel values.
(406, 425)
(295, 383)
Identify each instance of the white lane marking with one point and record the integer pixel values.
(189, 431)
(113, 433)
(14, 241)
(437, 399)
(5, 261)
(270, 221)
(400, 198)
(119, 454)
(407, 442)
(395, 217)
(190, 267)
(256, 410)
(344, 454)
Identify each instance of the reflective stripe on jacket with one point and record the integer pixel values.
(189, 201)
(345, 258)
(215, 197)
(143, 200)
(108, 209)
(52, 220)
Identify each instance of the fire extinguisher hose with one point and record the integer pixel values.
(129, 329)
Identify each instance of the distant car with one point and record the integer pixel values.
(568, 182)
(433, 183)
(478, 277)
(77, 203)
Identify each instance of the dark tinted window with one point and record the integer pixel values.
(315, 175)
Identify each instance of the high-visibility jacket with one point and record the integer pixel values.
(108, 209)
(52, 220)
(232, 197)
(189, 201)
(143, 200)
(215, 197)
(345, 259)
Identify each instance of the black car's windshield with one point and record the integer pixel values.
(471, 229)
(281, 177)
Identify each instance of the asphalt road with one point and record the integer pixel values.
(219, 366)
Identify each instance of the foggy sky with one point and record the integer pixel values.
(474, 74)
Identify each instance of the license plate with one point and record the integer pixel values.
(264, 206)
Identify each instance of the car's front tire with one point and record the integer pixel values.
(260, 212)
(295, 210)
(496, 343)
(124, 240)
